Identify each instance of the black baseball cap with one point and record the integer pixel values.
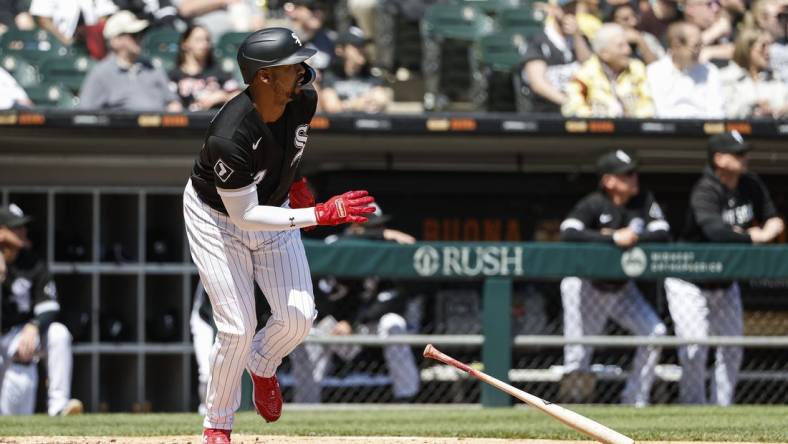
(615, 162)
(377, 218)
(730, 142)
(352, 36)
(13, 217)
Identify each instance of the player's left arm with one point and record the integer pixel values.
(45, 311)
(46, 307)
(657, 228)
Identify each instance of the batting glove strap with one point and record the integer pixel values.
(349, 207)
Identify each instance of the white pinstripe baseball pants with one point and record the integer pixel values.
(586, 310)
(229, 260)
(699, 313)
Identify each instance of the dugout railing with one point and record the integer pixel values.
(123, 268)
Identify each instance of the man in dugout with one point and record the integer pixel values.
(619, 213)
(728, 204)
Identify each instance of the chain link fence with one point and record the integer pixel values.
(544, 316)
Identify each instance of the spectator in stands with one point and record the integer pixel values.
(14, 14)
(618, 213)
(772, 17)
(587, 14)
(716, 25)
(123, 80)
(727, 204)
(552, 57)
(72, 20)
(159, 13)
(682, 87)
(197, 79)
(658, 15)
(11, 94)
(307, 19)
(644, 46)
(360, 306)
(223, 16)
(349, 86)
(610, 83)
(365, 13)
(751, 88)
(30, 328)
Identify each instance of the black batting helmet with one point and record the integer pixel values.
(273, 47)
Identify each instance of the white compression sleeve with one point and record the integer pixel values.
(247, 214)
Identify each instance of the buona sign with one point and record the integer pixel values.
(468, 261)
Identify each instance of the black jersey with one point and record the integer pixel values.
(596, 211)
(718, 214)
(28, 293)
(240, 150)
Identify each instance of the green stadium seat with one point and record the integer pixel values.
(492, 7)
(31, 46)
(229, 43)
(456, 22)
(51, 95)
(498, 57)
(449, 32)
(68, 70)
(24, 72)
(523, 19)
(502, 51)
(161, 47)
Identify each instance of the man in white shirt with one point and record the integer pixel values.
(682, 87)
(11, 94)
(61, 17)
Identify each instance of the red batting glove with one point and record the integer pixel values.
(300, 196)
(345, 208)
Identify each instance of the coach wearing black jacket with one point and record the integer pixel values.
(727, 204)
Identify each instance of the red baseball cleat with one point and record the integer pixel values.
(267, 397)
(216, 436)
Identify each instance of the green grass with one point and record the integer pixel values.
(741, 423)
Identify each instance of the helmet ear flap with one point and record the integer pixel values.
(309, 74)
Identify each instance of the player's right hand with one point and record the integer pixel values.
(625, 237)
(350, 207)
(28, 342)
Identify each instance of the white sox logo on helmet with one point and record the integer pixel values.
(297, 40)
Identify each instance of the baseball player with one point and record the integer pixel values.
(727, 204)
(617, 213)
(243, 207)
(29, 330)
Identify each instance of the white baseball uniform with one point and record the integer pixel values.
(699, 313)
(587, 309)
(29, 295)
(588, 304)
(241, 231)
(699, 309)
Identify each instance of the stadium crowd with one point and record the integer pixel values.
(704, 59)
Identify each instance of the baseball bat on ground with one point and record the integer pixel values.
(574, 420)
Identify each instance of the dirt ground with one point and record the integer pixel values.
(252, 439)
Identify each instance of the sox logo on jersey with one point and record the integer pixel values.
(300, 142)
